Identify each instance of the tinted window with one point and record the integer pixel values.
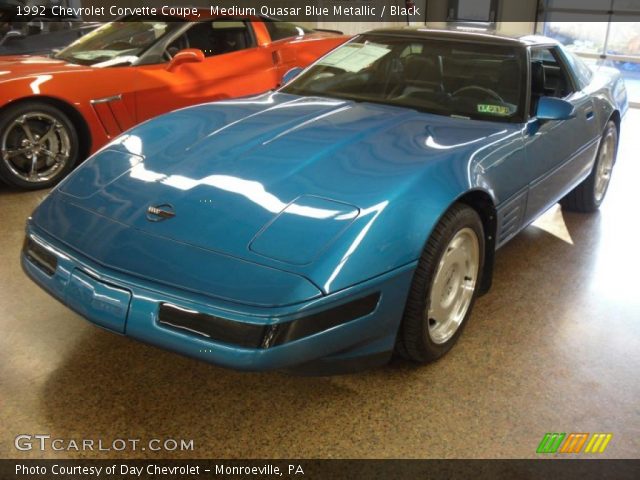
(215, 38)
(557, 82)
(580, 69)
(549, 77)
(438, 76)
(127, 39)
(281, 30)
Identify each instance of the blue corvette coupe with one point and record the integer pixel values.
(352, 213)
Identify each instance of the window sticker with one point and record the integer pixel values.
(355, 57)
(494, 109)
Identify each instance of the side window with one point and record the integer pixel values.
(216, 38)
(580, 69)
(548, 76)
(281, 30)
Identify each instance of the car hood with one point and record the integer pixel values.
(260, 179)
(15, 66)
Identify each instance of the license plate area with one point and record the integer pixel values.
(99, 302)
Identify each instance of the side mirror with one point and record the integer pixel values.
(291, 74)
(188, 55)
(550, 108)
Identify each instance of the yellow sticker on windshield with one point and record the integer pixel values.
(493, 109)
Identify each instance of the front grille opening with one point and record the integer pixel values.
(40, 256)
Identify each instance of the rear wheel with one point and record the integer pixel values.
(444, 286)
(38, 145)
(589, 195)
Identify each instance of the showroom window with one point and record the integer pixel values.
(609, 37)
(473, 11)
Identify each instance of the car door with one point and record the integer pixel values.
(559, 153)
(234, 65)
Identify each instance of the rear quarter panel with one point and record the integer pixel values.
(609, 94)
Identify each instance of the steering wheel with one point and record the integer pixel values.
(477, 88)
(178, 44)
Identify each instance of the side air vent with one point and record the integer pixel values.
(510, 218)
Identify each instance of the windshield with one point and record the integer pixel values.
(445, 77)
(115, 41)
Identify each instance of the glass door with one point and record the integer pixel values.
(602, 32)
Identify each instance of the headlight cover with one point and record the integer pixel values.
(305, 228)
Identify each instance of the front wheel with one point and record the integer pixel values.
(444, 286)
(38, 145)
(589, 195)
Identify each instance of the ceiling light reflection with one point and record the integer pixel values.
(39, 80)
(376, 210)
(250, 189)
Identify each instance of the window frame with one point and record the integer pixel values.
(580, 82)
(521, 50)
(266, 21)
(245, 20)
(562, 63)
(162, 44)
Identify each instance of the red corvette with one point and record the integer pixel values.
(55, 111)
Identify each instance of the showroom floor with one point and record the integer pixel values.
(554, 347)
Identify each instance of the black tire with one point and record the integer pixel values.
(414, 341)
(583, 198)
(65, 137)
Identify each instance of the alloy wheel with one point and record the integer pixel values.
(453, 286)
(35, 147)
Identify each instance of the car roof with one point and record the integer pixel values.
(467, 34)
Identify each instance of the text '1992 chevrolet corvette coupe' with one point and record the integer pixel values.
(55, 111)
(353, 213)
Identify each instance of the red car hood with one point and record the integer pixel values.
(25, 65)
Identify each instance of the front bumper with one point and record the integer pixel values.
(345, 331)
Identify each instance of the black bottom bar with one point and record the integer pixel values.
(582, 469)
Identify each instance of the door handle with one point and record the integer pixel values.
(276, 57)
(589, 114)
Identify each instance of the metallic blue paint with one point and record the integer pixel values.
(550, 108)
(266, 155)
(291, 74)
(287, 206)
(374, 333)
